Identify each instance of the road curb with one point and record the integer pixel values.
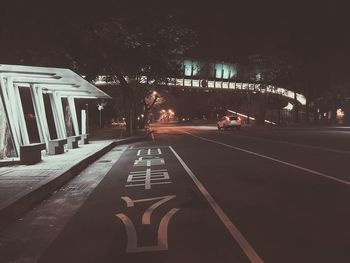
(14, 208)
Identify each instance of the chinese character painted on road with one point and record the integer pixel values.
(148, 178)
(151, 151)
(162, 244)
(149, 161)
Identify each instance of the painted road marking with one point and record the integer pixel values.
(162, 243)
(152, 135)
(147, 178)
(149, 151)
(233, 230)
(289, 143)
(272, 159)
(138, 148)
(149, 161)
(146, 218)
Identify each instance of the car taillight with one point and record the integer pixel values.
(239, 118)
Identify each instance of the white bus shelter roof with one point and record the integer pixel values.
(63, 81)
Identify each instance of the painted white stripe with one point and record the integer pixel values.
(130, 185)
(272, 159)
(233, 230)
(288, 143)
(148, 147)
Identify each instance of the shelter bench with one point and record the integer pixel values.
(31, 153)
(85, 138)
(72, 141)
(56, 146)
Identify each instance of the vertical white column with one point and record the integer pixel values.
(56, 117)
(83, 122)
(40, 95)
(60, 113)
(15, 100)
(12, 122)
(40, 114)
(37, 113)
(73, 112)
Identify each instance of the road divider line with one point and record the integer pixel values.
(288, 143)
(272, 159)
(233, 230)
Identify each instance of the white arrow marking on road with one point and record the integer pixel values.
(235, 233)
(146, 217)
(162, 243)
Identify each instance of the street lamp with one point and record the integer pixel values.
(100, 107)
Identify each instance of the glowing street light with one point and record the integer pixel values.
(100, 107)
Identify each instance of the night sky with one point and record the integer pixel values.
(227, 30)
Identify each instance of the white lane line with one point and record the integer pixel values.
(288, 143)
(272, 159)
(235, 233)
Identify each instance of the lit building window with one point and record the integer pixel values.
(258, 77)
(225, 71)
(191, 68)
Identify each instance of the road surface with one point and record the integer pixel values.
(195, 194)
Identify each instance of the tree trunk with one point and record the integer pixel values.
(260, 118)
(248, 107)
(135, 121)
(316, 114)
(307, 111)
(128, 120)
(128, 104)
(296, 108)
(334, 111)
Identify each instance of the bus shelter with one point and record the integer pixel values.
(37, 105)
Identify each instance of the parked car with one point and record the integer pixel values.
(119, 123)
(229, 122)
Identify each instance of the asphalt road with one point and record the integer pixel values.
(194, 194)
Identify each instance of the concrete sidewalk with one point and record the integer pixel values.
(23, 186)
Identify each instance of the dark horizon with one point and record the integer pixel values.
(227, 30)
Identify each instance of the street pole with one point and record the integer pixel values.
(101, 118)
(87, 117)
(100, 107)
(248, 110)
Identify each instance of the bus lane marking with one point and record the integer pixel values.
(147, 177)
(146, 218)
(149, 161)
